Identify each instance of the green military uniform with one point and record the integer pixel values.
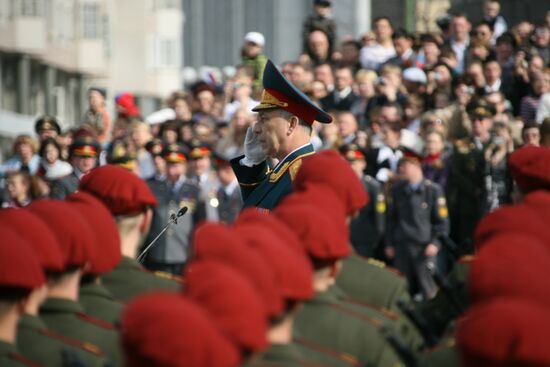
(325, 321)
(368, 280)
(98, 302)
(263, 188)
(130, 279)
(67, 317)
(396, 321)
(37, 343)
(10, 358)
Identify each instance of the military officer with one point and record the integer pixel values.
(97, 301)
(229, 198)
(61, 311)
(21, 273)
(129, 200)
(173, 192)
(47, 127)
(200, 159)
(367, 229)
(34, 340)
(417, 219)
(282, 132)
(83, 153)
(468, 189)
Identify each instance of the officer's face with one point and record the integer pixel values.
(84, 164)
(200, 165)
(272, 131)
(174, 171)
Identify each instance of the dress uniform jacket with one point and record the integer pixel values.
(37, 343)
(208, 191)
(229, 204)
(173, 247)
(416, 217)
(297, 355)
(324, 321)
(98, 302)
(367, 229)
(444, 355)
(9, 357)
(265, 188)
(130, 279)
(67, 317)
(371, 281)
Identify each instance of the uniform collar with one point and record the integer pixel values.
(32, 322)
(128, 263)
(6, 348)
(96, 290)
(306, 148)
(61, 305)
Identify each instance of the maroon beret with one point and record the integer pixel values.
(511, 265)
(292, 268)
(37, 235)
(321, 197)
(19, 267)
(505, 332)
(324, 240)
(216, 241)
(122, 192)
(166, 329)
(231, 302)
(74, 235)
(329, 168)
(530, 167)
(107, 239)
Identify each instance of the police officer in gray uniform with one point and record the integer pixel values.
(173, 191)
(417, 218)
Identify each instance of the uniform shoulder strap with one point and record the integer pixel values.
(97, 322)
(85, 346)
(344, 357)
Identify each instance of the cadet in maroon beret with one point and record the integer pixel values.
(20, 273)
(530, 167)
(216, 241)
(61, 312)
(294, 278)
(129, 200)
(34, 340)
(169, 330)
(231, 302)
(329, 168)
(97, 301)
(506, 332)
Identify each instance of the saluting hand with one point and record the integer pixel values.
(253, 151)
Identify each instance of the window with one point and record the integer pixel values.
(166, 4)
(167, 53)
(4, 11)
(27, 8)
(91, 20)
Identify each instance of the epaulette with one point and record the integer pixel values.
(165, 275)
(294, 168)
(464, 145)
(371, 320)
(85, 346)
(22, 359)
(92, 320)
(342, 356)
(466, 259)
(383, 310)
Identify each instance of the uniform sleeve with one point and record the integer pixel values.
(249, 177)
(439, 215)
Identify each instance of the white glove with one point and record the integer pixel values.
(253, 152)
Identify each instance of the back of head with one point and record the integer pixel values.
(530, 168)
(122, 192)
(107, 239)
(166, 329)
(230, 301)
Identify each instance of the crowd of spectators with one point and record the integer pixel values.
(388, 90)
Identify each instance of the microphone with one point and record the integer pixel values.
(173, 219)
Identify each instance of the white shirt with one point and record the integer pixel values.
(460, 52)
(494, 87)
(372, 57)
(278, 164)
